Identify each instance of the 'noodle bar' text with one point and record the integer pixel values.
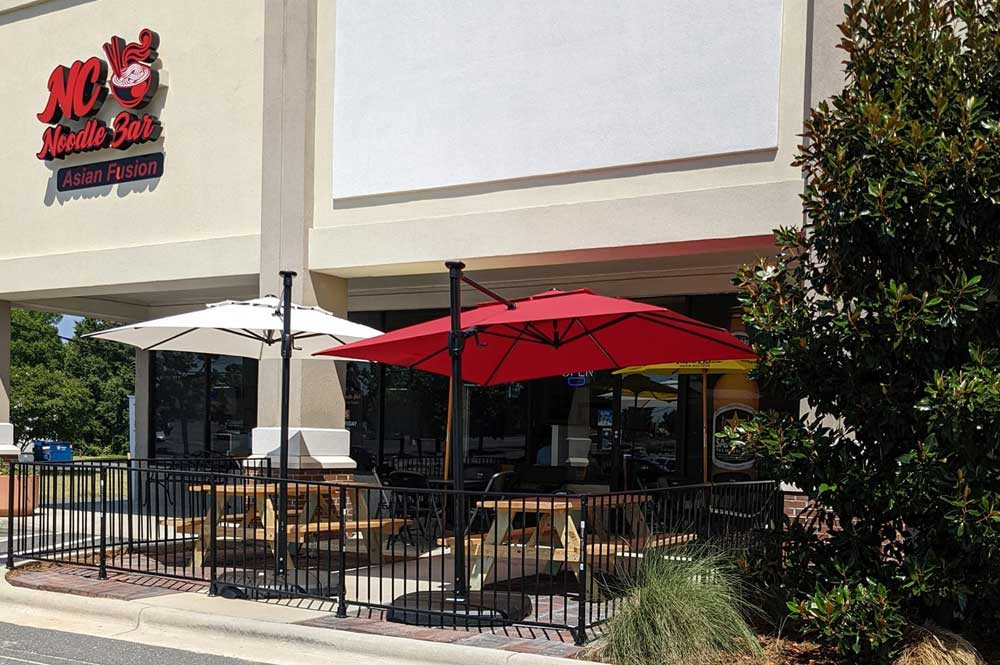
(79, 91)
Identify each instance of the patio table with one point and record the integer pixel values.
(318, 500)
(556, 539)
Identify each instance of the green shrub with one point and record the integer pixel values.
(681, 606)
(860, 621)
(881, 312)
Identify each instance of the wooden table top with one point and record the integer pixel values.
(559, 503)
(262, 489)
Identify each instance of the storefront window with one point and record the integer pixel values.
(499, 420)
(202, 405)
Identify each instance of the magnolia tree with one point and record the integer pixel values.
(883, 312)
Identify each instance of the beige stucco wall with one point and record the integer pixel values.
(563, 216)
(202, 218)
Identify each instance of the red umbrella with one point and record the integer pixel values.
(549, 334)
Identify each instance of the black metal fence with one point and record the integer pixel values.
(248, 465)
(553, 560)
(432, 466)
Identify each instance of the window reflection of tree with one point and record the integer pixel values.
(179, 402)
(361, 396)
(416, 408)
(499, 413)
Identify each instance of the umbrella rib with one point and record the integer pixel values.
(538, 333)
(596, 342)
(671, 316)
(417, 364)
(243, 332)
(606, 324)
(311, 335)
(531, 338)
(496, 369)
(169, 339)
(692, 332)
(528, 328)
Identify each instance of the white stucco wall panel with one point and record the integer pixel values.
(211, 111)
(439, 93)
(543, 215)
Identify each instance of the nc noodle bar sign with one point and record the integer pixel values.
(79, 91)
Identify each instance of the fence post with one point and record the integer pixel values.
(707, 492)
(779, 508)
(132, 507)
(581, 623)
(10, 515)
(212, 537)
(102, 572)
(342, 563)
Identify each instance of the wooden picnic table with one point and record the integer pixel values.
(259, 521)
(556, 540)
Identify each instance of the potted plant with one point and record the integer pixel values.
(25, 492)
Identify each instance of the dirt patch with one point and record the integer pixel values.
(30, 567)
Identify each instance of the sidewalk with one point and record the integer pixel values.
(166, 612)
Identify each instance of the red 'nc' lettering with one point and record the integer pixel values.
(75, 91)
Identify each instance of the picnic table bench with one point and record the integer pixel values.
(315, 516)
(556, 540)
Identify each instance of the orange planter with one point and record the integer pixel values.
(25, 495)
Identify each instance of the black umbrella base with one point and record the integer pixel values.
(478, 610)
(262, 584)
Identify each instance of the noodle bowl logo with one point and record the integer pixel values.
(79, 91)
(134, 81)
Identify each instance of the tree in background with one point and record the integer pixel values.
(75, 391)
(34, 339)
(46, 402)
(884, 312)
(108, 370)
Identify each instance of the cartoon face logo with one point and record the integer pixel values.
(133, 81)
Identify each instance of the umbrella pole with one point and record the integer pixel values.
(447, 436)
(704, 423)
(456, 342)
(286, 361)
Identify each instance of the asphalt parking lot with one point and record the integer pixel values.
(20, 645)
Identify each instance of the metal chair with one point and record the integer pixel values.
(499, 483)
(421, 507)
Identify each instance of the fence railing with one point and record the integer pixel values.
(433, 466)
(558, 560)
(250, 465)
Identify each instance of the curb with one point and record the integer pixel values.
(250, 639)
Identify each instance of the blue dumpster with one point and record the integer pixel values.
(52, 451)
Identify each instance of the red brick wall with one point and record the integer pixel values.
(329, 475)
(800, 508)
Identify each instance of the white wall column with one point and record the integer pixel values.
(142, 425)
(7, 447)
(318, 439)
(316, 398)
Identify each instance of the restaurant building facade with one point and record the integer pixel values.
(158, 156)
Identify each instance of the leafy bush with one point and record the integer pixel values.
(882, 312)
(682, 606)
(861, 621)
